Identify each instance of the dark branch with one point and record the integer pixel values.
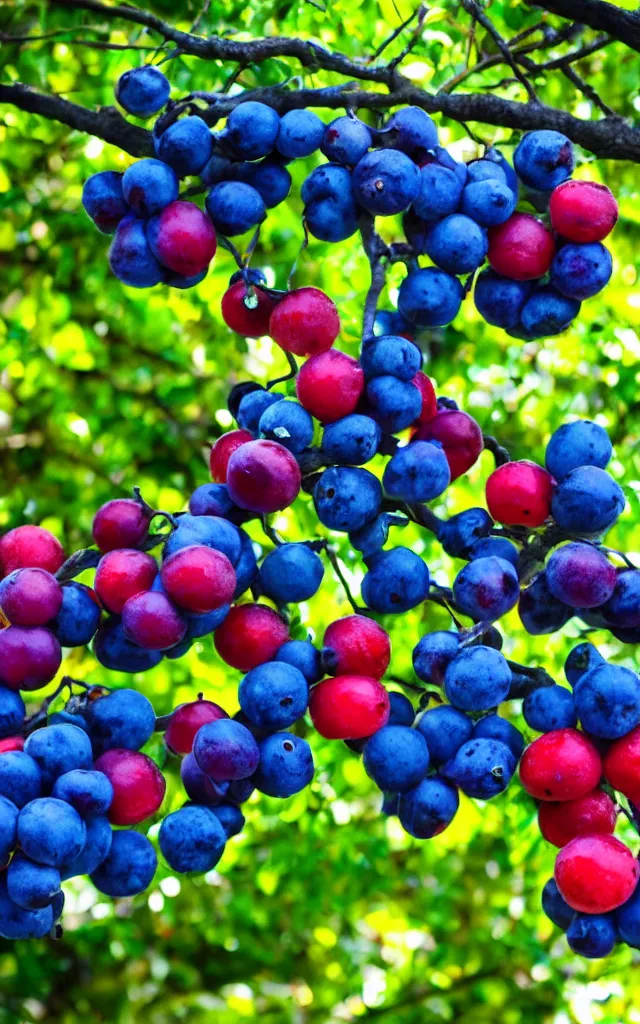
(604, 17)
(472, 8)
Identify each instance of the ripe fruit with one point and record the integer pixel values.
(457, 244)
(426, 810)
(417, 472)
(148, 186)
(128, 868)
(396, 757)
(130, 255)
(300, 133)
(486, 588)
(247, 314)
(396, 581)
(30, 597)
(430, 297)
(356, 644)
(121, 523)
(182, 238)
(622, 765)
(305, 322)
(222, 450)
(429, 401)
(273, 696)
(592, 814)
(581, 576)
(581, 443)
(329, 385)
(138, 785)
(104, 201)
(581, 270)
(482, 767)
(286, 765)
(235, 207)
(519, 493)
(459, 435)
(143, 91)
(185, 145)
(477, 678)
(250, 635)
(29, 657)
(191, 839)
(263, 476)
(122, 574)
(349, 707)
(549, 708)
(544, 159)
(386, 181)
(185, 722)
(251, 130)
(587, 501)
(583, 211)
(596, 873)
(347, 498)
(28, 547)
(560, 765)
(522, 248)
(226, 750)
(150, 620)
(198, 578)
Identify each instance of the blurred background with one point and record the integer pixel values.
(321, 910)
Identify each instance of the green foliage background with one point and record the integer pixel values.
(321, 910)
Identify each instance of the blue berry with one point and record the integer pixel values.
(287, 423)
(129, 867)
(148, 186)
(623, 607)
(426, 810)
(246, 566)
(270, 179)
(218, 168)
(198, 786)
(592, 935)
(549, 708)
(371, 537)
(440, 192)
(581, 443)
(143, 91)
(581, 660)
(457, 244)
(90, 792)
(230, 817)
(499, 299)
(124, 718)
(587, 501)
(579, 271)
(291, 573)
(432, 654)
(477, 679)
(346, 498)
(445, 729)
(395, 404)
(555, 907)
(303, 656)
(499, 547)
(235, 207)
(608, 701)
(130, 256)
(495, 156)
(397, 580)
(185, 145)
(411, 130)
(401, 710)
(494, 727)
(486, 588)
(430, 297)
(58, 749)
(396, 757)
(8, 828)
(391, 355)
(251, 130)
(333, 219)
(11, 712)
(485, 170)
(20, 778)
(51, 831)
(300, 134)
(226, 750)
(31, 886)
(482, 768)
(16, 923)
(417, 472)
(253, 405)
(104, 201)
(115, 651)
(192, 839)
(79, 617)
(274, 695)
(544, 159)
(212, 500)
(352, 440)
(96, 849)
(459, 533)
(210, 531)
(540, 612)
(345, 141)
(286, 765)
(385, 182)
(546, 312)
(488, 202)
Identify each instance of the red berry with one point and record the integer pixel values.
(522, 248)
(30, 597)
(182, 238)
(263, 476)
(122, 574)
(250, 635)
(222, 451)
(329, 385)
(198, 578)
(138, 785)
(152, 622)
(11, 743)
(519, 494)
(250, 321)
(622, 765)
(185, 722)
(30, 547)
(560, 765)
(583, 211)
(305, 322)
(596, 874)
(459, 435)
(29, 657)
(357, 645)
(429, 400)
(592, 814)
(121, 523)
(349, 707)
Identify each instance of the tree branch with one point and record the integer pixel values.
(604, 17)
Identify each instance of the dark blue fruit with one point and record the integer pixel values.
(16, 923)
(500, 547)
(587, 501)
(251, 130)
(460, 532)
(607, 700)
(130, 256)
(581, 270)
(352, 440)
(274, 695)
(124, 719)
(31, 886)
(488, 202)
(549, 708)
(230, 817)
(226, 750)
(499, 299)
(411, 130)
(555, 907)
(143, 91)
(253, 405)
(457, 244)
(482, 768)
(104, 201)
(592, 935)
(210, 531)
(291, 573)
(185, 145)
(546, 312)
(11, 712)
(439, 193)
(581, 443)
(148, 186)
(580, 660)
(485, 170)
(430, 297)
(432, 654)
(212, 500)
(486, 588)
(58, 749)
(97, 847)
(303, 656)
(287, 423)
(346, 140)
(20, 778)
(395, 404)
(300, 134)
(392, 355)
(286, 765)
(495, 728)
(346, 498)
(397, 580)
(8, 828)
(50, 831)
(129, 867)
(396, 757)
(417, 472)
(445, 729)
(114, 651)
(544, 159)
(90, 792)
(79, 617)
(192, 839)
(477, 679)
(540, 612)
(401, 710)
(235, 207)
(426, 810)
(385, 182)
(372, 537)
(270, 179)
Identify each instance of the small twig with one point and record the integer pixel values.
(293, 370)
(588, 91)
(269, 531)
(396, 32)
(409, 686)
(472, 8)
(500, 454)
(333, 558)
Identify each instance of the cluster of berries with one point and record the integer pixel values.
(458, 215)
